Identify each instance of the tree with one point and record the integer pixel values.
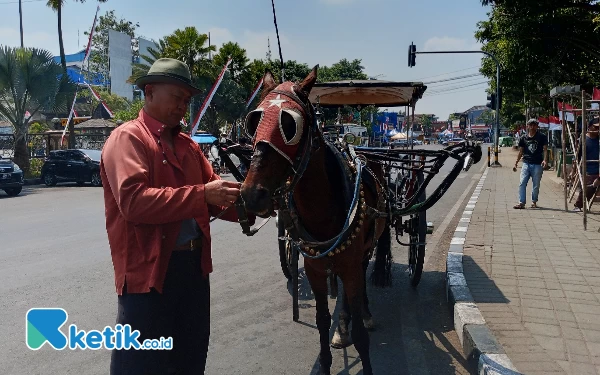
(130, 113)
(189, 46)
(31, 81)
(141, 69)
(539, 47)
(239, 61)
(57, 5)
(99, 50)
(113, 101)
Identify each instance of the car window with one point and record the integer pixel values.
(75, 155)
(93, 154)
(58, 155)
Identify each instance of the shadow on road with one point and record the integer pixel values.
(412, 327)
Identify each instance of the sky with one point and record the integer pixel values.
(311, 31)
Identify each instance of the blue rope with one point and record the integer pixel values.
(347, 223)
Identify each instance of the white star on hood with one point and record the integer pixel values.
(277, 101)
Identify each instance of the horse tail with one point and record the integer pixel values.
(382, 269)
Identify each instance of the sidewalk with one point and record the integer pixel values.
(535, 275)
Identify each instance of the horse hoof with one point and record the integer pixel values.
(340, 341)
(369, 324)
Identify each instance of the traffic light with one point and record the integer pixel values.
(492, 103)
(412, 56)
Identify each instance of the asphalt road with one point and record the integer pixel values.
(54, 253)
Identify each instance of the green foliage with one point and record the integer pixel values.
(35, 168)
(38, 127)
(29, 81)
(130, 113)
(109, 21)
(539, 47)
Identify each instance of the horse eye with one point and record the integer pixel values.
(252, 121)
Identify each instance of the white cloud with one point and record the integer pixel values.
(219, 35)
(11, 37)
(446, 43)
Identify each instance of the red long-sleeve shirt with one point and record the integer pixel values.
(148, 192)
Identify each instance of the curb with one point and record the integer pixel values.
(478, 342)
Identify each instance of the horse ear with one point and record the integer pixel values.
(269, 84)
(310, 80)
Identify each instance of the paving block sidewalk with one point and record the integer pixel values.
(535, 275)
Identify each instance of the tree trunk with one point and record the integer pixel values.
(21, 21)
(21, 154)
(63, 60)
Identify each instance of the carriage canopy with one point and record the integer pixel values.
(367, 92)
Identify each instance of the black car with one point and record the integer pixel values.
(11, 177)
(79, 166)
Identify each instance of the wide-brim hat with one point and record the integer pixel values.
(168, 71)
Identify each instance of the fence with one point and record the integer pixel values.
(39, 145)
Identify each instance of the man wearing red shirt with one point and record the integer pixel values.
(160, 193)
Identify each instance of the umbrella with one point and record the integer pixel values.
(399, 136)
(204, 138)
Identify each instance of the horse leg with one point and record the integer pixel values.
(318, 283)
(366, 313)
(360, 335)
(341, 336)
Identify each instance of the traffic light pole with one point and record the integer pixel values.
(497, 125)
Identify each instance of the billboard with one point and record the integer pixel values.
(120, 62)
(144, 45)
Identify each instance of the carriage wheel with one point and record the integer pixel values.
(285, 252)
(416, 250)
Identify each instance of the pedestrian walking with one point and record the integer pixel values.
(159, 193)
(532, 148)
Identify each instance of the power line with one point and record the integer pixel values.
(454, 88)
(443, 74)
(454, 78)
(453, 92)
(436, 85)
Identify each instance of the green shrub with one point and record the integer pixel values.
(35, 168)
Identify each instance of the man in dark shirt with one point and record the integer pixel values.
(592, 152)
(532, 148)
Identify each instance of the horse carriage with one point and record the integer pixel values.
(337, 204)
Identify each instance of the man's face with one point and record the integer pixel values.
(533, 127)
(166, 102)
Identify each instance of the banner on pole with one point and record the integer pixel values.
(208, 98)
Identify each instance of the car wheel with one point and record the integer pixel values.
(49, 179)
(13, 192)
(96, 180)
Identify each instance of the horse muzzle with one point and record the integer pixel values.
(257, 200)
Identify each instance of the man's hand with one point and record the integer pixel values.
(221, 192)
(544, 163)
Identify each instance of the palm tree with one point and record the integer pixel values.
(141, 69)
(188, 45)
(57, 5)
(30, 80)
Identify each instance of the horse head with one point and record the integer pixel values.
(280, 128)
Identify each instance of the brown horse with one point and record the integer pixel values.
(295, 171)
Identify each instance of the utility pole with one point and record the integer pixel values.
(21, 21)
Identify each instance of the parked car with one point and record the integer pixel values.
(11, 177)
(453, 141)
(78, 166)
